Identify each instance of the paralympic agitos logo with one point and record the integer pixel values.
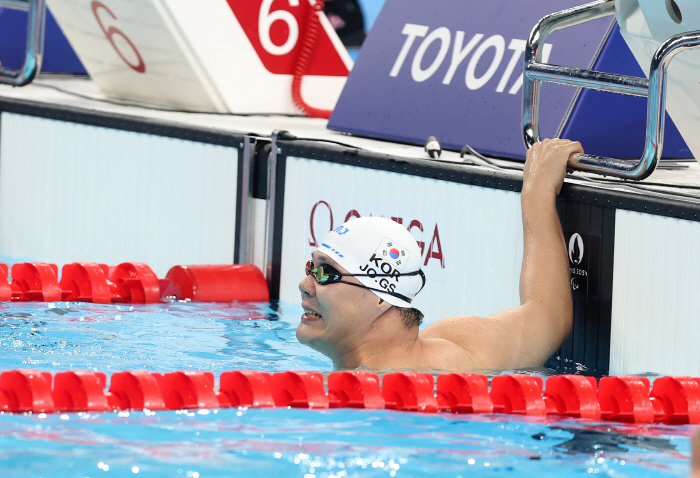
(428, 238)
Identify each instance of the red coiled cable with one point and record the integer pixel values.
(302, 64)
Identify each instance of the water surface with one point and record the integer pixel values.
(275, 442)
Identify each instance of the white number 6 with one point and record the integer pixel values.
(265, 21)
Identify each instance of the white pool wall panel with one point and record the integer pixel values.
(480, 231)
(71, 192)
(656, 303)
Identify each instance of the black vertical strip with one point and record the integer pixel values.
(239, 205)
(581, 295)
(593, 308)
(605, 293)
(582, 302)
(569, 349)
(276, 265)
(590, 241)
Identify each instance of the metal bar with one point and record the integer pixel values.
(15, 4)
(271, 209)
(563, 75)
(243, 229)
(536, 72)
(36, 21)
(533, 54)
(656, 115)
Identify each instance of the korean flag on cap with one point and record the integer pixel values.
(393, 253)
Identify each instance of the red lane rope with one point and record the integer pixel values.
(132, 283)
(302, 64)
(630, 399)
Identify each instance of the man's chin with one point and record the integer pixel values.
(306, 334)
(310, 336)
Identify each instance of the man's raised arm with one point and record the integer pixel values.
(545, 287)
(527, 335)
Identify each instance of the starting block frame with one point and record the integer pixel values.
(36, 23)
(653, 88)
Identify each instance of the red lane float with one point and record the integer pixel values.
(136, 390)
(299, 390)
(187, 390)
(36, 281)
(572, 396)
(217, 283)
(132, 283)
(86, 282)
(519, 394)
(673, 400)
(135, 283)
(246, 388)
(5, 289)
(354, 389)
(625, 399)
(80, 391)
(464, 393)
(676, 400)
(411, 391)
(26, 391)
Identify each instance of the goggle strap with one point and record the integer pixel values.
(414, 273)
(422, 276)
(395, 294)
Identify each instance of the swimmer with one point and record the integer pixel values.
(361, 281)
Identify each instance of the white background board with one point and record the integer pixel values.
(479, 229)
(656, 303)
(71, 192)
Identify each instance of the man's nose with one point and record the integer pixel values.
(307, 286)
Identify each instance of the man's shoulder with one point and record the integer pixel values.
(449, 328)
(441, 353)
(457, 336)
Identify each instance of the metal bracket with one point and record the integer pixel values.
(654, 89)
(244, 226)
(36, 20)
(271, 210)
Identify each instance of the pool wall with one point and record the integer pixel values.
(82, 192)
(441, 216)
(168, 193)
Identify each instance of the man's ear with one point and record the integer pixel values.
(384, 305)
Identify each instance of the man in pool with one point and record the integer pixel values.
(361, 282)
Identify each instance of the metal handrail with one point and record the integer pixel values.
(654, 89)
(36, 20)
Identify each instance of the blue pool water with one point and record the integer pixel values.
(275, 442)
(158, 338)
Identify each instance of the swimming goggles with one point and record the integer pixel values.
(326, 274)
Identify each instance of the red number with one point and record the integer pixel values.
(313, 242)
(276, 29)
(112, 31)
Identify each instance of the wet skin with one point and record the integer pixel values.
(345, 313)
(354, 328)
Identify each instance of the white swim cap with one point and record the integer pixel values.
(383, 254)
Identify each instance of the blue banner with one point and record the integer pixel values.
(453, 69)
(59, 56)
